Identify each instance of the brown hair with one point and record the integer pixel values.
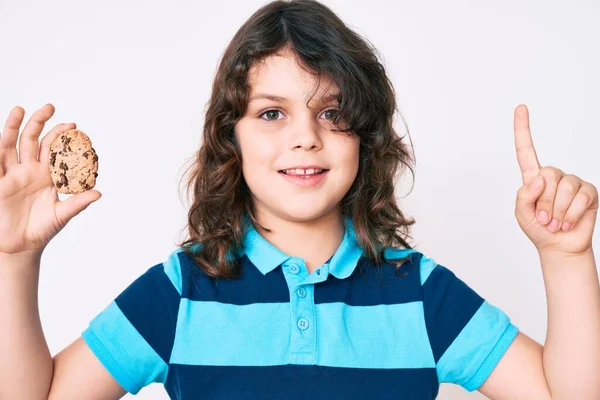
(326, 46)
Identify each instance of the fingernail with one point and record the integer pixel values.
(543, 217)
(566, 226)
(553, 226)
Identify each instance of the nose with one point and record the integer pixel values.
(305, 132)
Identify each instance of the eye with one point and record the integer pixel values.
(333, 113)
(270, 114)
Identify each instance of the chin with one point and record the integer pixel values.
(302, 213)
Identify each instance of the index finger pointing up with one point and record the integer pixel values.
(526, 156)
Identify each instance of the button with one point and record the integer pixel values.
(294, 269)
(302, 292)
(303, 323)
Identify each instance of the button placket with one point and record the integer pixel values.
(301, 292)
(303, 328)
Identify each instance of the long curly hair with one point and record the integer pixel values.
(221, 204)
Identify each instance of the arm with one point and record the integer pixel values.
(27, 370)
(78, 374)
(572, 350)
(557, 212)
(25, 364)
(568, 365)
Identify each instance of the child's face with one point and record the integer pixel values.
(289, 135)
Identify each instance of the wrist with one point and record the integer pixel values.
(553, 254)
(21, 258)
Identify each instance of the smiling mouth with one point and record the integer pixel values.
(303, 173)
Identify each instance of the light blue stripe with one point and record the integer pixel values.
(115, 369)
(381, 336)
(473, 345)
(173, 269)
(211, 333)
(427, 266)
(123, 351)
(493, 359)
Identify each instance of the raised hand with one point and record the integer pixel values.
(31, 213)
(557, 211)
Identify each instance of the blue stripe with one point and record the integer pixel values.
(478, 348)
(252, 287)
(224, 334)
(370, 285)
(113, 339)
(151, 303)
(449, 305)
(300, 382)
(384, 336)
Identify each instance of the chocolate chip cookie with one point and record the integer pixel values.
(73, 162)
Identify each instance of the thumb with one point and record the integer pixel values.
(527, 197)
(69, 208)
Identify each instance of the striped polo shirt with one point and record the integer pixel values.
(347, 330)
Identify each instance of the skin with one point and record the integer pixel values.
(305, 222)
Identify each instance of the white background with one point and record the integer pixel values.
(136, 77)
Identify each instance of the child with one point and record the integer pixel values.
(297, 279)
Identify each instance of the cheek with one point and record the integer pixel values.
(256, 150)
(348, 153)
(257, 155)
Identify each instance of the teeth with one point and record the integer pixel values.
(297, 171)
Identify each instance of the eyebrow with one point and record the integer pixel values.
(280, 99)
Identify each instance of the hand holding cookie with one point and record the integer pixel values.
(31, 213)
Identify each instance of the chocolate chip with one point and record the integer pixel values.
(66, 142)
(63, 166)
(64, 180)
(95, 158)
(95, 174)
(52, 158)
(86, 154)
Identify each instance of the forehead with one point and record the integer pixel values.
(283, 74)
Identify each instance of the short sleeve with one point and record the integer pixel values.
(468, 335)
(133, 336)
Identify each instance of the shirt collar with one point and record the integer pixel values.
(266, 257)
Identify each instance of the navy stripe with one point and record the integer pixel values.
(370, 285)
(449, 305)
(252, 286)
(151, 304)
(300, 382)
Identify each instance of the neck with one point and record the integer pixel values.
(315, 241)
